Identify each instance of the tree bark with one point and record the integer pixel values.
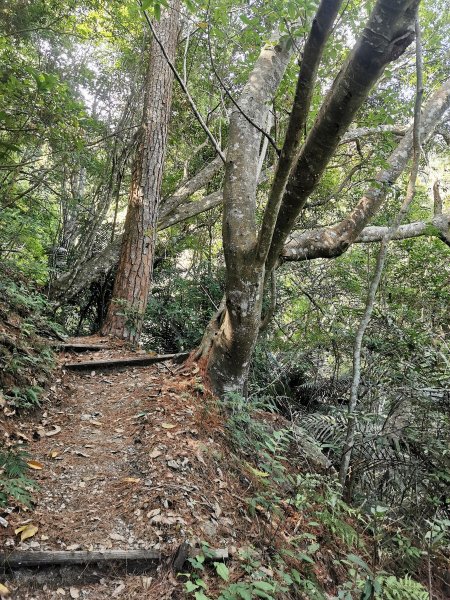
(132, 284)
(229, 351)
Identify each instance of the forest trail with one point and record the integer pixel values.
(128, 462)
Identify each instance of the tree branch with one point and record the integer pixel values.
(388, 33)
(314, 47)
(381, 259)
(329, 242)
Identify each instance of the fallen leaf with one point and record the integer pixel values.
(146, 582)
(3, 522)
(73, 547)
(74, 592)
(119, 589)
(155, 453)
(96, 423)
(168, 425)
(26, 531)
(131, 479)
(196, 370)
(153, 513)
(34, 464)
(56, 429)
(200, 458)
(79, 453)
(53, 453)
(4, 592)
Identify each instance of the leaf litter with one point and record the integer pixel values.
(143, 483)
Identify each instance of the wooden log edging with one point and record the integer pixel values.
(37, 558)
(117, 363)
(40, 558)
(67, 347)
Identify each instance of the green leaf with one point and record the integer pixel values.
(264, 585)
(357, 560)
(244, 592)
(306, 558)
(222, 570)
(201, 596)
(367, 591)
(190, 586)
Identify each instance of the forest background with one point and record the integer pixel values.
(74, 98)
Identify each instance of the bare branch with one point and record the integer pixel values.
(381, 259)
(388, 33)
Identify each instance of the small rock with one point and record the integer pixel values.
(209, 529)
(117, 537)
(74, 592)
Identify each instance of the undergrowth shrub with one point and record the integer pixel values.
(320, 533)
(14, 483)
(179, 309)
(26, 366)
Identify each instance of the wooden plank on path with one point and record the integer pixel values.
(83, 347)
(40, 558)
(32, 558)
(117, 363)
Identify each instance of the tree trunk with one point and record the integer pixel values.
(231, 337)
(251, 255)
(134, 273)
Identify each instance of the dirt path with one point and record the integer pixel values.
(128, 463)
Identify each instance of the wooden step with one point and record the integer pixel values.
(118, 363)
(67, 347)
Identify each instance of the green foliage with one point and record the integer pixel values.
(14, 483)
(26, 359)
(405, 588)
(180, 308)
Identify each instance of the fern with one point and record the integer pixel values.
(13, 480)
(406, 588)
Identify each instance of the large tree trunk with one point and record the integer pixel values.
(249, 256)
(134, 273)
(229, 342)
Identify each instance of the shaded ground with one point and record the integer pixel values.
(125, 457)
